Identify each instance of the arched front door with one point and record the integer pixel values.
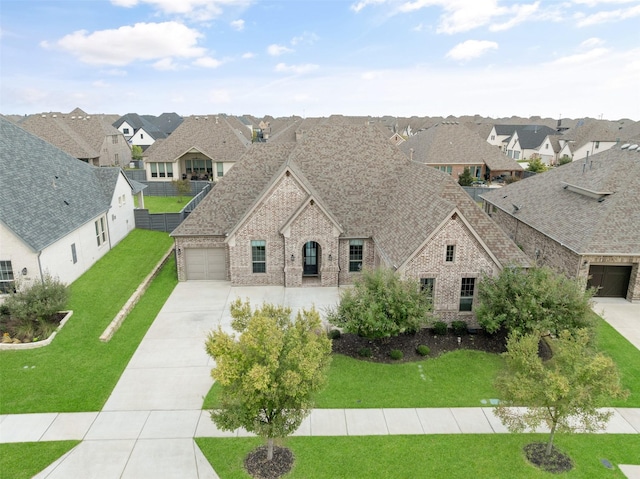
(310, 258)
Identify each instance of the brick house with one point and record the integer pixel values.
(582, 219)
(340, 199)
(451, 147)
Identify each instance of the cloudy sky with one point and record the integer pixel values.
(552, 58)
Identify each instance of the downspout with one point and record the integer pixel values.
(108, 229)
(40, 267)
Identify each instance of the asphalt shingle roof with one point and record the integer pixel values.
(366, 183)
(576, 220)
(46, 193)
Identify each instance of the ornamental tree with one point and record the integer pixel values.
(537, 299)
(563, 392)
(382, 305)
(270, 373)
(465, 178)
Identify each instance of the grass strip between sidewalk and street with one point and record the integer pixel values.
(25, 459)
(452, 456)
(77, 371)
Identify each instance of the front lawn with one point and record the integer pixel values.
(26, 459)
(456, 379)
(77, 372)
(451, 456)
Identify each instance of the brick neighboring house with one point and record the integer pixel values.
(202, 147)
(582, 219)
(451, 148)
(89, 138)
(342, 198)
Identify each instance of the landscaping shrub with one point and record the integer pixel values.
(440, 328)
(459, 328)
(334, 334)
(364, 352)
(396, 354)
(423, 350)
(39, 302)
(381, 305)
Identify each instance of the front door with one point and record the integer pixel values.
(310, 253)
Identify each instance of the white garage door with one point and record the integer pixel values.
(206, 263)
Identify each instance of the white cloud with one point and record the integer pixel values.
(307, 37)
(248, 55)
(521, 13)
(471, 49)
(592, 42)
(200, 10)
(356, 7)
(165, 64)
(608, 16)
(297, 69)
(207, 62)
(276, 50)
(128, 44)
(580, 58)
(100, 84)
(237, 25)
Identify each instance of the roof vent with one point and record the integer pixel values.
(73, 117)
(87, 117)
(44, 116)
(625, 146)
(66, 202)
(54, 116)
(633, 147)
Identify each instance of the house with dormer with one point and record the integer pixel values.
(340, 199)
(137, 130)
(203, 147)
(60, 215)
(587, 138)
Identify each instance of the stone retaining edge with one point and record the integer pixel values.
(133, 300)
(37, 344)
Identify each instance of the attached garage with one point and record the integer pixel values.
(206, 263)
(611, 281)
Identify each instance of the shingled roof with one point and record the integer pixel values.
(46, 193)
(210, 134)
(453, 144)
(591, 208)
(367, 184)
(136, 121)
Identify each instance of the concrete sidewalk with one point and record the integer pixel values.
(147, 425)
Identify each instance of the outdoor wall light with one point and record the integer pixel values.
(24, 271)
(330, 257)
(179, 251)
(293, 258)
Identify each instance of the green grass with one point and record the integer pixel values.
(452, 456)
(456, 379)
(626, 356)
(165, 204)
(77, 371)
(26, 459)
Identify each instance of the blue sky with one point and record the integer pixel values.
(551, 58)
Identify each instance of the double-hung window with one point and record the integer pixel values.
(450, 255)
(427, 286)
(259, 256)
(467, 289)
(6, 277)
(161, 170)
(101, 231)
(355, 255)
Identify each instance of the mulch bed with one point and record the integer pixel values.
(351, 345)
(556, 462)
(12, 327)
(258, 466)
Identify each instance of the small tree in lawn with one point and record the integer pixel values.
(537, 299)
(183, 187)
(563, 392)
(136, 152)
(537, 166)
(269, 374)
(382, 305)
(465, 178)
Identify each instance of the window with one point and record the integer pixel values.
(355, 255)
(546, 146)
(516, 155)
(116, 158)
(219, 169)
(493, 137)
(446, 169)
(259, 256)
(597, 145)
(101, 232)
(114, 139)
(125, 131)
(450, 256)
(74, 256)
(162, 170)
(198, 167)
(6, 277)
(427, 286)
(467, 288)
(142, 136)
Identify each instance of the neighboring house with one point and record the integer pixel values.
(451, 148)
(519, 142)
(166, 123)
(582, 219)
(60, 215)
(138, 131)
(202, 147)
(549, 150)
(340, 199)
(90, 138)
(586, 139)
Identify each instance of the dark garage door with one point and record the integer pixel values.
(611, 281)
